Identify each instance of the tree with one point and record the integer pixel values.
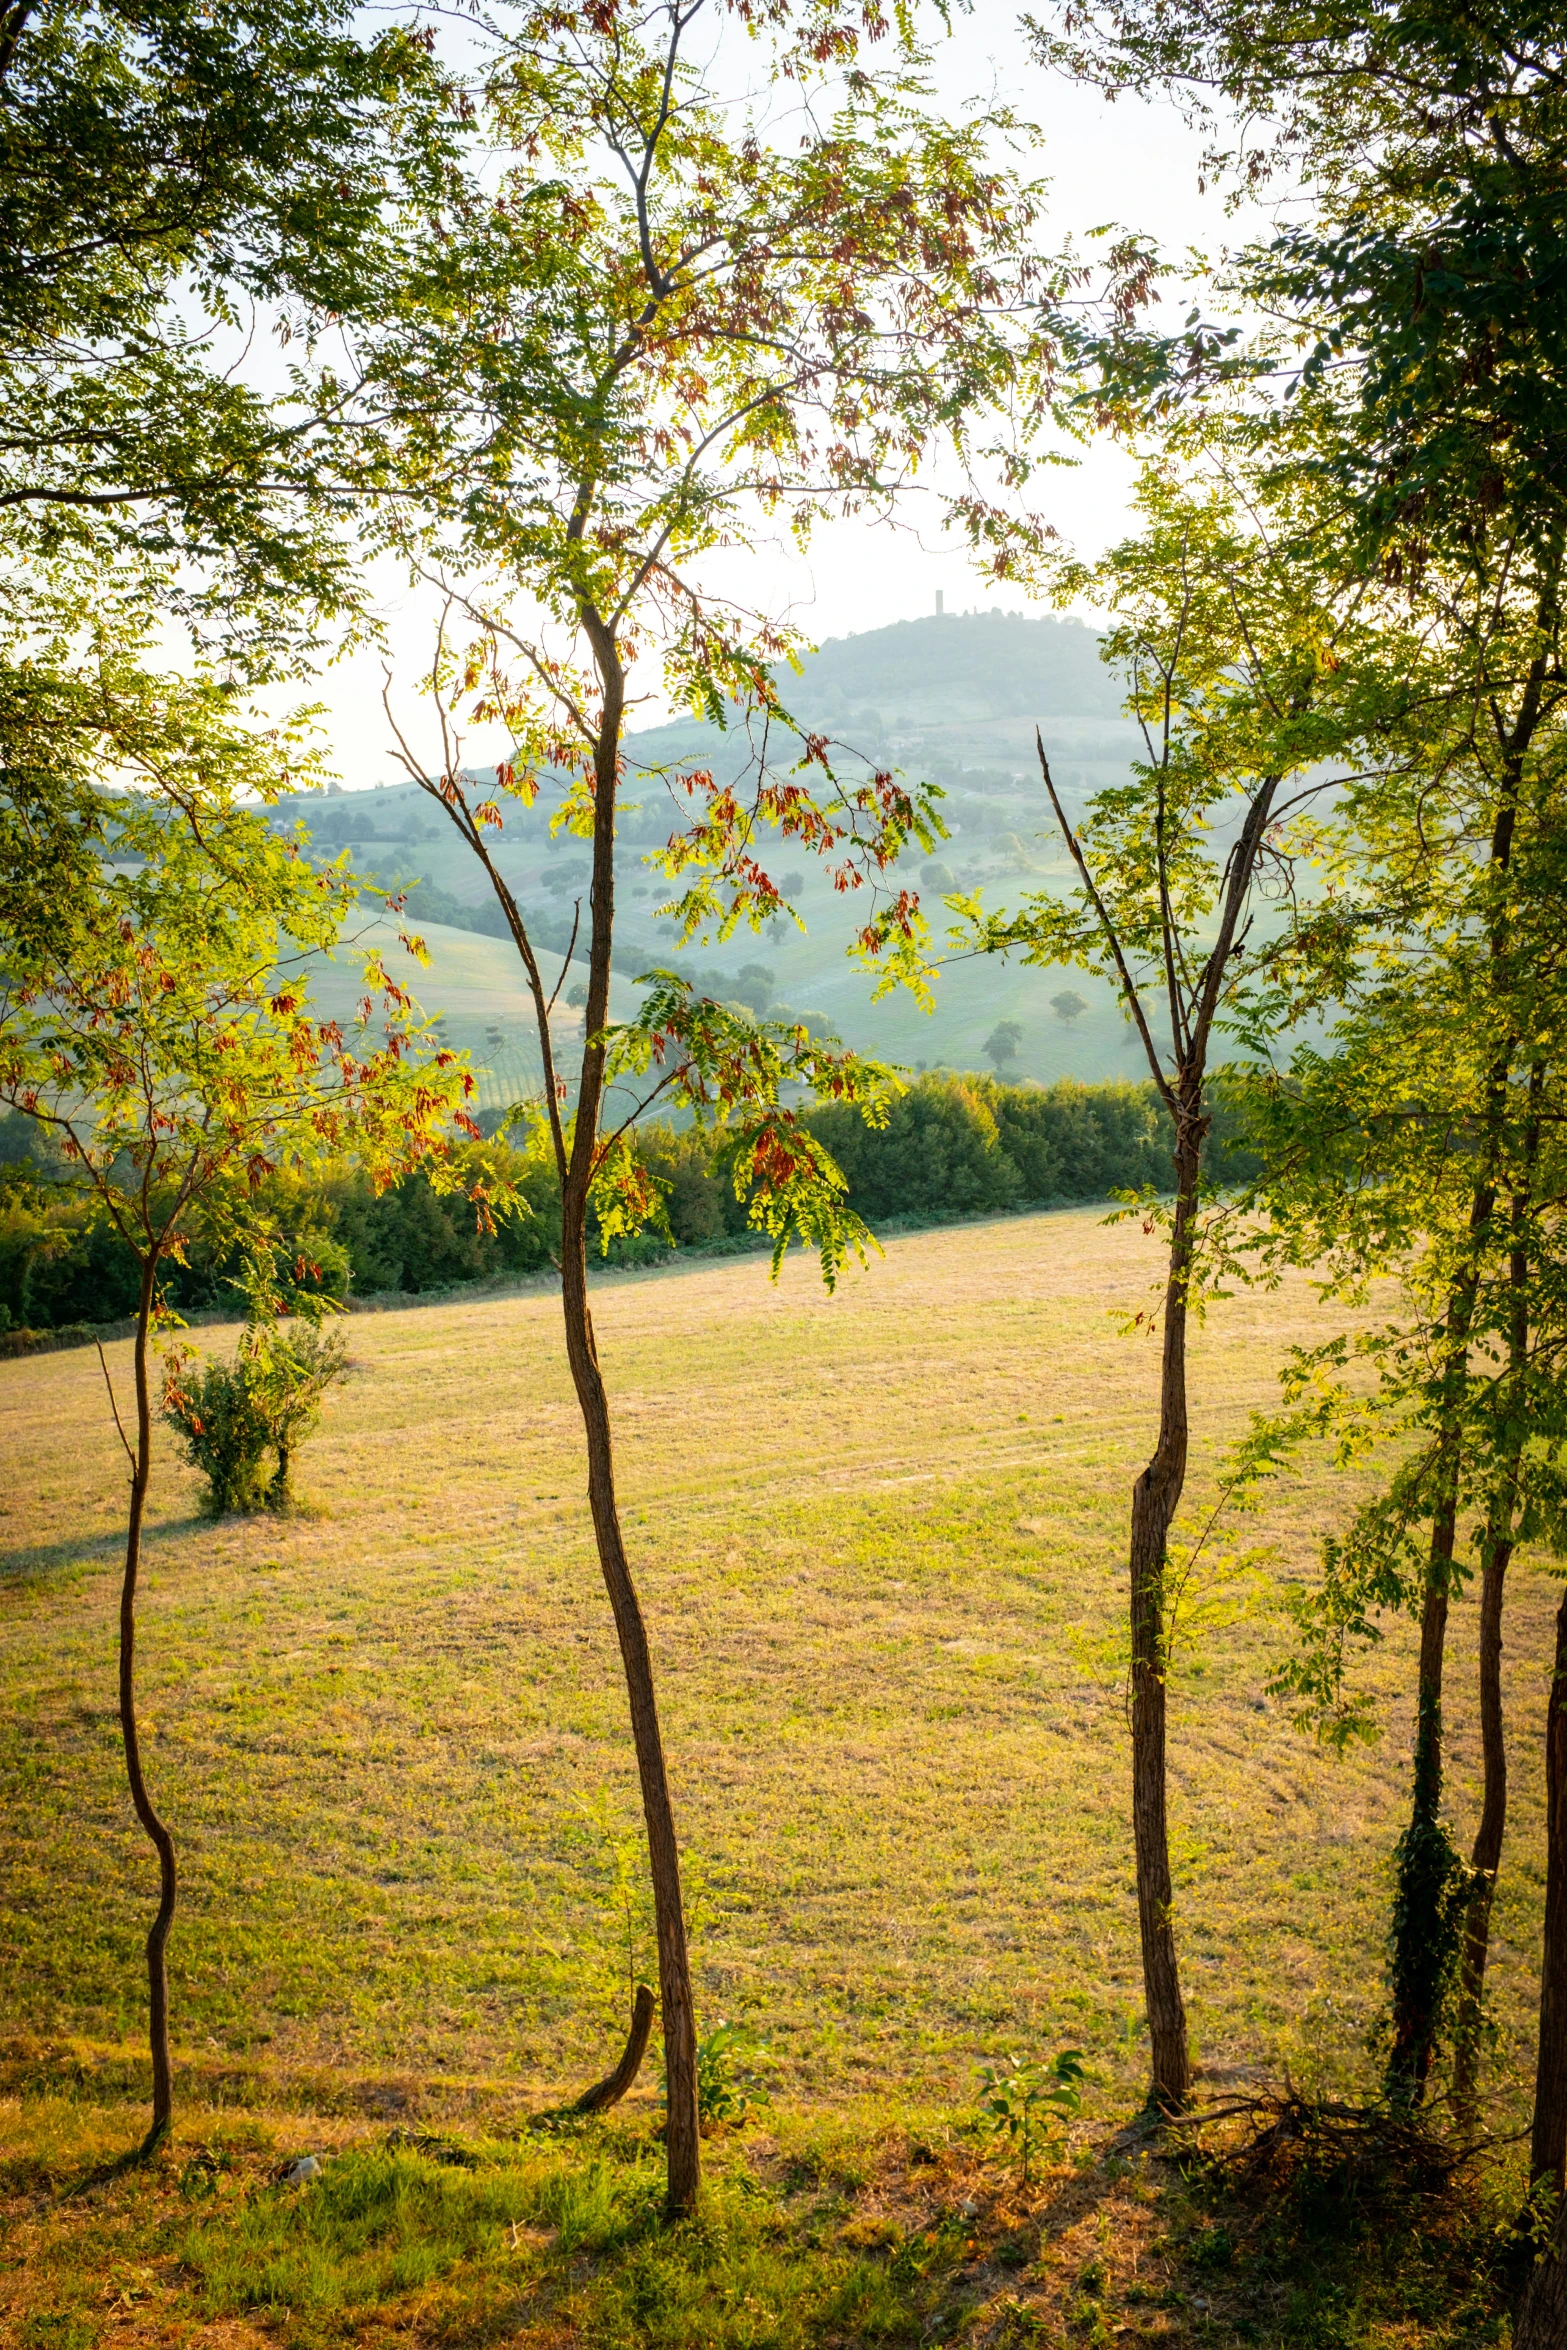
(1415, 292)
(756, 986)
(1068, 1005)
(1548, 2148)
(1001, 1045)
(1390, 1157)
(1542, 2316)
(1227, 623)
(657, 324)
(166, 170)
(1424, 381)
(157, 1026)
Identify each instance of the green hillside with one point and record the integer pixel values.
(477, 987)
(952, 701)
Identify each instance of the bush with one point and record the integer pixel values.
(699, 1195)
(224, 1434)
(288, 1370)
(42, 1342)
(414, 1238)
(60, 1261)
(940, 1153)
(268, 1400)
(1070, 1141)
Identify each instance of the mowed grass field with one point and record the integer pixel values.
(879, 1538)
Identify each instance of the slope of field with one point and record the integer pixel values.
(478, 989)
(477, 985)
(878, 1536)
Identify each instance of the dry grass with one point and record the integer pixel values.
(877, 1537)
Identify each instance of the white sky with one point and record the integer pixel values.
(1128, 164)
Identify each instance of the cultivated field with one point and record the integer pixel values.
(878, 1538)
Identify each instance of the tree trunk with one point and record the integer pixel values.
(1155, 1499)
(613, 2087)
(1501, 1519)
(1426, 1864)
(683, 2143)
(1542, 2315)
(1486, 1856)
(1548, 2152)
(576, 1151)
(674, 1971)
(162, 1841)
(1425, 1861)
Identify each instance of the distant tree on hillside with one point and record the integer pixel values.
(1001, 1045)
(755, 986)
(938, 877)
(1068, 1005)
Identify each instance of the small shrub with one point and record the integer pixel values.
(1211, 2248)
(224, 1435)
(1021, 2099)
(58, 2329)
(289, 1370)
(727, 2084)
(268, 1400)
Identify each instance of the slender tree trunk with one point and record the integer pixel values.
(1497, 1552)
(1485, 1858)
(683, 2147)
(674, 1970)
(576, 1151)
(1155, 1499)
(281, 1490)
(162, 1841)
(1548, 2151)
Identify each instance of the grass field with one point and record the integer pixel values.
(878, 1540)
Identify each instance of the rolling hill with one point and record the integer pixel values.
(950, 700)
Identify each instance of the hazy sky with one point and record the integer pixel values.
(1129, 164)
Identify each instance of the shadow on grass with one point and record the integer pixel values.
(105, 2170)
(38, 1562)
(103, 2174)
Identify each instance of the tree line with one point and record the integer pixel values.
(951, 1146)
(561, 324)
